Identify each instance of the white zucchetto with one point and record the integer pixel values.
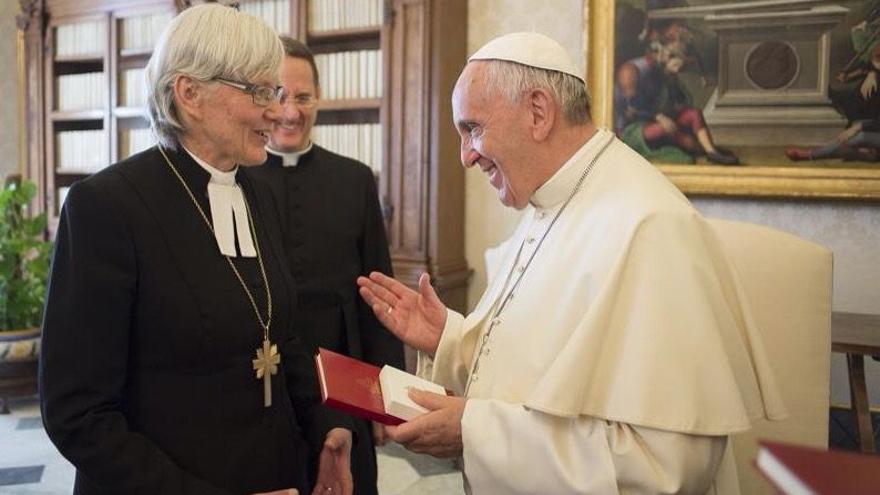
(531, 49)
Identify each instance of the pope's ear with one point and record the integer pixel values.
(189, 95)
(544, 112)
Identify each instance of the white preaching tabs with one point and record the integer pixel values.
(395, 397)
(228, 211)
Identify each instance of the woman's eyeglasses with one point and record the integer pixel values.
(262, 95)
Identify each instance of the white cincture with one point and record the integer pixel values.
(227, 203)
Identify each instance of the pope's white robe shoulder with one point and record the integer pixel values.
(630, 311)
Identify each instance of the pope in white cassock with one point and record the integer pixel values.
(613, 353)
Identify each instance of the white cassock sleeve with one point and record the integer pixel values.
(510, 450)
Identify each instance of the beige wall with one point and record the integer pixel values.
(851, 230)
(8, 89)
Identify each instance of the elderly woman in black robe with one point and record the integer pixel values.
(169, 361)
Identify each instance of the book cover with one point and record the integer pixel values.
(797, 470)
(395, 392)
(351, 386)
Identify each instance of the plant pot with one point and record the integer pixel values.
(19, 353)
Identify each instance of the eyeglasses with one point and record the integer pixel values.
(262, 95)
(303, 100)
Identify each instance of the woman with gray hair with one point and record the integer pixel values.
(170, 364)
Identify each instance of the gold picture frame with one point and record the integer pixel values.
(795, 180)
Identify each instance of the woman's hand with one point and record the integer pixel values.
(334, 465)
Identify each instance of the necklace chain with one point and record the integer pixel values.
(506, 297)
(571, 195)
(264, 325)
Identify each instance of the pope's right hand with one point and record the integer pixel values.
(416, 318)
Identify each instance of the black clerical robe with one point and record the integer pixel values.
(146, 369)
(333, 232)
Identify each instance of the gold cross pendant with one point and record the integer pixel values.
(266, 365)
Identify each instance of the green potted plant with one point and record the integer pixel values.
(24, 267)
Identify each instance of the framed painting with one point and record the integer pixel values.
(776, 98)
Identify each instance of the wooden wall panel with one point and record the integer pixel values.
(426, 181)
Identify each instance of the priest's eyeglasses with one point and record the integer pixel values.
(262, 95)
(301, 100)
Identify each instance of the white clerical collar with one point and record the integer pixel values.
(229, 214)
(559, 186)
(290, 159)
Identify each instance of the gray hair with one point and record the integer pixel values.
(513, 80)
(206, 42)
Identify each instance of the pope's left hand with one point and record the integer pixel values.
(334, 465)
(438, 432)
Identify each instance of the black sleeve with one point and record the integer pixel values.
(85, 354)
(314, 419)
(379, 345)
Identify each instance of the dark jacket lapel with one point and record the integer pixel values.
(190, 242)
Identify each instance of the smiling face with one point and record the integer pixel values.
(494, 136)
(292, 131)
(229, 128)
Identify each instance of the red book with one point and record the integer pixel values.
(797, 470)
(351, 386)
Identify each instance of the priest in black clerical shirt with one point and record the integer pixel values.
(332, 232)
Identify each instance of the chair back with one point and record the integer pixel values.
(788, 285)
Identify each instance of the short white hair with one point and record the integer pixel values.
(513, 80)
(206, 42)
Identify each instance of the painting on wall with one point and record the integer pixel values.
(751, 98)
